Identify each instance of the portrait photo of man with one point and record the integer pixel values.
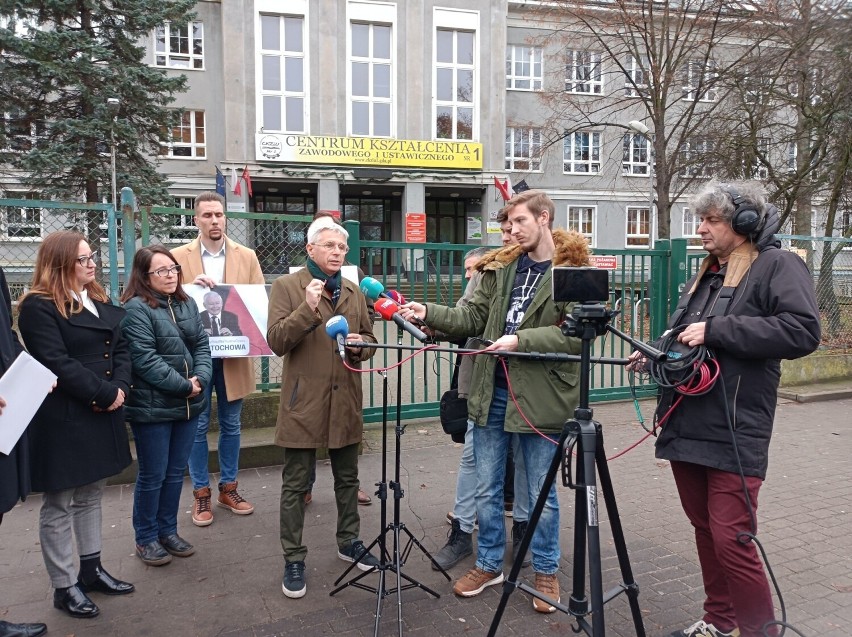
(216, 321)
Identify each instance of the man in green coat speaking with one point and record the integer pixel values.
(514, 308)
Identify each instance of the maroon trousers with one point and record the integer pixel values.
(737, 590)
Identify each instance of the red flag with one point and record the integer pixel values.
(238, 189)
(504, 187)
(247, 177)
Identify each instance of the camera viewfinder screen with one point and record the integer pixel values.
(580, 285)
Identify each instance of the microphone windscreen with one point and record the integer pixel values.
(387, 308)
(397, 298)
(371, 288)
(337, 325)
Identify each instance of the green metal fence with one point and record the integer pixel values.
(644, 284)
(25, 222)
(830, 261)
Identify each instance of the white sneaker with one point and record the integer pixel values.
(703, 629)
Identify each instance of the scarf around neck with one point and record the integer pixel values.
(332, 283)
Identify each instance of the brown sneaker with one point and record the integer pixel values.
(230, 499)
(548, 586)
(474, 582)
(202, 514)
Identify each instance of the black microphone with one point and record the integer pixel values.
(390, 312)
(337, 328)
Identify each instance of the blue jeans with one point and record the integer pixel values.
(521, 508)
(229, 434)
(162, 451)
(490, 446)
(465, 505)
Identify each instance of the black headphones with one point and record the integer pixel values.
(746, 220)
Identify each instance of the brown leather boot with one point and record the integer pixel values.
(230, 499)
(202, 514)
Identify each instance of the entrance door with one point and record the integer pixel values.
(374, 212)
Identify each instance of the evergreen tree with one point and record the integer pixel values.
(60, 62)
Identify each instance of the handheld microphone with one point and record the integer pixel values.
(374, 290)
(396, 297)
(390, 312)
(337, 328)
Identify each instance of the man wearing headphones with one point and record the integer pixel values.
(750, 304)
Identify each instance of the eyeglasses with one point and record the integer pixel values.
(164, 272)
(84, 261)
(331, 245)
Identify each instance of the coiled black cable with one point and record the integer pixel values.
(686, 370)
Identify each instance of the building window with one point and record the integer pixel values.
(755, 164)
(179, 46)
(19, 133)
(454, 84)
(523, 68)
(523, 149)
(283, 91)
(582, 153)
(638, 78)
(846, 225)
(182, 228)
(21, 223)
(638, 227)
(792, 152)
(695, 158)
(698, 82)
(582, 219)
(583, 73)
(370, 80)
(186, 139)
(636, 155)
(690, 229)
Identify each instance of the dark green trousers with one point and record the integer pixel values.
(295, 477)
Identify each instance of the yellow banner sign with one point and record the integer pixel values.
(369, 151)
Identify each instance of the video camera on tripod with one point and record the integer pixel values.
(589, 289)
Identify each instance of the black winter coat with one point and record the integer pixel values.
(14, 468)
(71, 444)
(773, 315)
(168, 346)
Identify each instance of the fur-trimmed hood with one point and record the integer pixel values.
(572, 249)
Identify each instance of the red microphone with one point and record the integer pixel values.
(390, 312)
(396, 297)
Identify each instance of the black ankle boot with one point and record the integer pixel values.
(74, 602)
(102, 582)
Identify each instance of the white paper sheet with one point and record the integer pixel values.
(24, 387)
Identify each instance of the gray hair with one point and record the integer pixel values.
(479, 252)
(325, 223)
(718, 197)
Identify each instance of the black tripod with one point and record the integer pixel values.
(586, 435)
(390, 560)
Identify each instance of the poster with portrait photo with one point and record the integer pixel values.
(234, 317)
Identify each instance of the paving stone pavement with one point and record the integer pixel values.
(232, 585)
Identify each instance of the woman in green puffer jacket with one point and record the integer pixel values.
(170, 358)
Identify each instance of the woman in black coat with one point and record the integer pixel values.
(78, 437)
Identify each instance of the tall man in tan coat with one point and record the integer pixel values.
(321, 400)
(208, 260)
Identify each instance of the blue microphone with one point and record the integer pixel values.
(337, 328)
